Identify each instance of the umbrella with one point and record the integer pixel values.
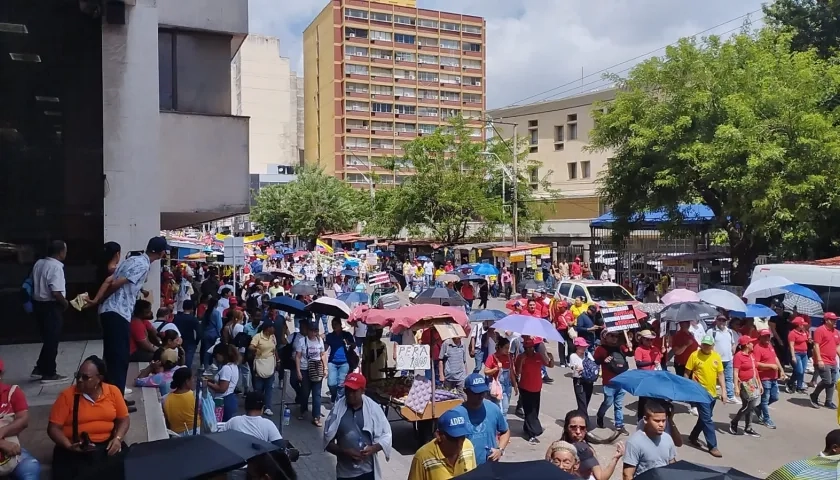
(194, 456)
(439, 296)
(684, 470)
(723, 299)
(487, 315)
(304, 288)
(349, 273)
(352, 262)
(814, 468)
(354, 297)
(651, 308)
(485, 269)
(528, 325)
(467, 266)
(755, 310)
(541, 469)
(472, 278)
(407, 317)
(284, 274)
(398, 278)
(332, 307)
(532, 285)
(287, 304)
(264, 277)
(778, 285)
(422, 258)
(803, 305)
(661, 384)
(448, 278)
(802, 291)
(685, 311)
(288, 251)
(679, 295)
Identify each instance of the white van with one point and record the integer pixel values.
(825, 280)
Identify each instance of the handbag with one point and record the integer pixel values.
(264, 367)
(752, 386)
(496, 389)
(9, 464)
(314, 367)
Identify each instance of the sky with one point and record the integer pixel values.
(545, 49)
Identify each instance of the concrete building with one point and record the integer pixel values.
(558, 132)
(115, 122)
(379, 74)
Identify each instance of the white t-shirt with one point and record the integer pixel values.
(308, 349)
(258, 427)
(337, 288)
(47, 277)
(724, 341)
(229, 372)
(237, 329)
(576, 363)
(168, 326)
(360, 330)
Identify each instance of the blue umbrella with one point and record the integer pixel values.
(288, 304)
(755, 310)
(468, 266)
(351, 262)
(485, 269)
(661, 384)
(797, 289)
(354, 297)
(288, 251)
(487, 315)
(348, 273)
(422, 258)
(277, 256)
(528, 325)
(472, 278)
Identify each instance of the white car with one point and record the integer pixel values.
(594, 292)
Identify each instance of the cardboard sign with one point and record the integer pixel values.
(413, 357)
(619, 318)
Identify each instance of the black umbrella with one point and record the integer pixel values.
(532, 284)
(264, 277)
(284, 274)
(329, 306)
(540, 469)
(398, 277)
(304, 288)
(683, 470)
(287, 304)
(184, 457)
(440, 296)
(471, 277)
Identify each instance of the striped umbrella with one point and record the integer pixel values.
(803, 305)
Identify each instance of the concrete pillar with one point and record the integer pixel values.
(131, 133)
(553, 252)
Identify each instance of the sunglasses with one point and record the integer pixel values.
(83, 377)
(577, 427)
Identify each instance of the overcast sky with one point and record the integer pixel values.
(538, 45)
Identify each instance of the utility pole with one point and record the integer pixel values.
(515, 149)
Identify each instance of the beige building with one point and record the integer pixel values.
(265, 89)
(379, 74)
(558, 131)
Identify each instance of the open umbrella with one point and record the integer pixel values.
(348, 273)
(661, 384)
(536, 469)
(532, 284)
(723, 299)
(354, 297)
(803, 305)
(814, 468)
(287, 304)
(684, 470)
(485, 269)
(304, 288)
(398, 278)
(332, 307)
(423, 258)
(778, 285)
(264, 277)
(651, 308)
(284, 274)
(755, 310)
(440, 296)
(448, 278)
(472, 278)
(528, 325)
(487, 315)
(679, 295)
(685, 311)
(408, 317)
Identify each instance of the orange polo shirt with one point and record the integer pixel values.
(97, 419)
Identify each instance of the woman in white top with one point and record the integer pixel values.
(583, 388)
(311, 363)
(224, 383)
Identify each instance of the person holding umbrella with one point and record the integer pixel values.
(529, 365)
(706, 368)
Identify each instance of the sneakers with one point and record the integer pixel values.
(802, 391)
(733, 429)
(622, 430)
(36, 373)
(752, 433)
(814, 401)
(533, 440)
(735, 401)
(769, 424)
(520, 412)
(548, 380)
(127, 391)
(47, 379)
(832, 406)
(268, 412)
(693, 411)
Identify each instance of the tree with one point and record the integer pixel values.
(736, 125)
(812, 23)
(312, 204)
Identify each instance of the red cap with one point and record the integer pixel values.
(528, 342)
(745, 340)
(232, 301)
(798, 321)
(764, 332)
(830, 316)
(355, 381)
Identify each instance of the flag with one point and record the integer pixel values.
(379, 278)
(323, 245)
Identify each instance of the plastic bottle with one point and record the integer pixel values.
(287, 416)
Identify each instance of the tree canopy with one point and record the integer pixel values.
(812, 23)
(738, 125)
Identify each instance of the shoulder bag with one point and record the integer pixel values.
(752, 386)
(314, 366)
(9, 464)
(264, 367)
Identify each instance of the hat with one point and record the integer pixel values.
(276, 280)
(646, 334)
(169, 355)
(454, 424)
(829, 316)
(157, 245)
(528, 342)
(708, 340)
(232, 301)
(581, 342)
(745, 339)
(540, 290)
(476, 383)
(798, 321)
(355, 381)
(764, 332)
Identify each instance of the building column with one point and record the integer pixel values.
(131, 132)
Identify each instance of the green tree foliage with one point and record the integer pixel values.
(812, 23)
(736, 125)
(313, 204)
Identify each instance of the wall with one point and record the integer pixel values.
(229, 16)
(202, 66)
(318, 76)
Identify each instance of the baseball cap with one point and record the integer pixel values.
(232, 301)
(267, 324)
(476, 383)
(581, 342)
(454, 424)
(355, 381)
(830, 316)
(157, 245)
(528, 342)
(798, 321)
(707, 340)
(745, 340)
(764, 332)
(169, 355)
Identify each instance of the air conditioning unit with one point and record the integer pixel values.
(352, 35)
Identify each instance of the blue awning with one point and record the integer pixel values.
(694, 214)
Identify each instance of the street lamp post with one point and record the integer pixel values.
(515, 167)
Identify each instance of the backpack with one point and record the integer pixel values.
(590, 369)
(287, 353)
(618, 364)
(241, 340)
(26, 290)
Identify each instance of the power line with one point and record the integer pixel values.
(630, 60)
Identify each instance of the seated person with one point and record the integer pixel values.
(253, 423)
(170, 340)
(143, 339)
(163, 321)
(179, 404)
(160, 370)
(101, 418)
(15, 411)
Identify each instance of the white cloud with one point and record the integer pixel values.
(537, 45)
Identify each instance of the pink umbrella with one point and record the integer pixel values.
(680, 295)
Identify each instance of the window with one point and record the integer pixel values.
(354, 177)
(450, 62)
(381, 90)
(406, 109)
(579, 292)
(378, 143)
(472, 114)
(533, 175)
(471, 29)
(408, 74)
(427, 76)
(405, 92)
(558, 133)
(571, 117)
(429, 59)
(353, 142)
(452, 27)
(472, 97)
(381, 72)
(476, 132)
(559, 147)
(351, 69)
(383, 107)
(534, 136)
(380, 17)
(356, 88)
(424, 128)
(451, 44)
(384, 54)
(572, 171)
(573, 134)
(471, 47)
(428, 94)
(471, 64)
(353, 13)
(377, 35)
(450, 96)
(351, 51)
(406, 57)
(355, 124)
(424, 22)
(450, 79)
(474, 81)
(382, 126)
(406, 127)
(533, 123)
(427, 111)
(585, 169)
(403, 20)
(427, 42)
(350, 32)
(354, 106)
(403, 38)
(449, 112)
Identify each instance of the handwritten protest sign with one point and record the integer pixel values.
(619, 318)
(413, 357)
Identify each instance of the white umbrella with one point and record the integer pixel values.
(767, 287)
(723, 299)
(329, 306)
(803, 305)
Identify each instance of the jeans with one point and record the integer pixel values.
(314, 388)
(798, 376)
(747, 406)
(468, 305)
(613, 397)
(27, 468)
(828, 379)
(115, 348)
(204, 351)
(727, 376)
(245, 379)
(266, 386)
(336, 372)
(296, 385)
(507, 389)
(769, 397)
(229, 405)
(705, 423)
(189, 355)
(479, 361)
(49, 317)
(325, 324)
(583, 394)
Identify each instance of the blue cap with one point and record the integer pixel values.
(454, 423)
(476, 383)
(157, 245)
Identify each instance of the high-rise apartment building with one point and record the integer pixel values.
(379, 74)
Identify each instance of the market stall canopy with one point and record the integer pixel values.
(695, 214)
(423, 316)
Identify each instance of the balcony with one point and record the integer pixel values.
(406, 116)
(357, 40)
(406, 81)
(470, 53)
(361, 95)
(450, 103)
(382, 61)
(472, 88)
(382, 43)
(356, 22)
(407, 134)
(228, 16)
(380, 97)
(202, 149)
(357, 76)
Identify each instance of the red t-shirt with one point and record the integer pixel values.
(575, 269)
(15, 404)
(827, 341)
(468, 292)
(530, 372)
(600, 355)
(745, 364)
(139, 332)
(765, 354)
(202, 308)
(800, 341)
(682, 338)
(426, 339)
(498, 361)
(563, 320)
(647, 354)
